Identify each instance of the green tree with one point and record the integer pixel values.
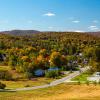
(2, 45)
(89, 52)
(52, 74)
(97, 53)
(12, 61)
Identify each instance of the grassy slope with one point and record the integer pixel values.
(23, 83)
(82, 77)
(5, 68)
(60, 92)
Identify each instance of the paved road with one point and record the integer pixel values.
(53, 83)
(69, 77)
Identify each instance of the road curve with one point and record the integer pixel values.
(53, 83)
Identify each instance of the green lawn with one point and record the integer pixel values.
(82, 77)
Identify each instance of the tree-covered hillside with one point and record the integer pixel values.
(64, 50)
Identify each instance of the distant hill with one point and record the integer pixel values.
(30, 32)
(95, 33)
(20, 32)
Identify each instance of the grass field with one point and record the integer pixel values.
(60, 92)
(5, 68)
(23, 82)
(30, 83)
(82, 77)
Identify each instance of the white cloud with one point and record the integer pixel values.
(75, 21)
(49, 14)
(93, 27)
(95, 21)
(78, 31)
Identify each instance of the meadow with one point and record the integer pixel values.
(60, 92)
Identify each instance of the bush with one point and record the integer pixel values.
(52, 74)
(2, 86)
(5, 75)
(99, 81)
(27, 85)
(79, 83)
(87, 82)
(28, 75)
(95, 83)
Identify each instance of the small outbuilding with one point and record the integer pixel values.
(39, 72)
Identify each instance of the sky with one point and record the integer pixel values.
(50, 15)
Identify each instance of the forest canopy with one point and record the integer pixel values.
(64, 50)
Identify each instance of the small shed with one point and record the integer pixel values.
(39, 72)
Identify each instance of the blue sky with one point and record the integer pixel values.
(50, 15)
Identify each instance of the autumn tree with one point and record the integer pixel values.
(43, 52)
(55, 59)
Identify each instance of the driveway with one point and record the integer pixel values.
(53, 83)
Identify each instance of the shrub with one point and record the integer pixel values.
(2, 86)
(99, 81)
(79, 83)
(27, 85)
(87, 82)
(5, 75)
(28, 75)
(95, 83)
(52, 74)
